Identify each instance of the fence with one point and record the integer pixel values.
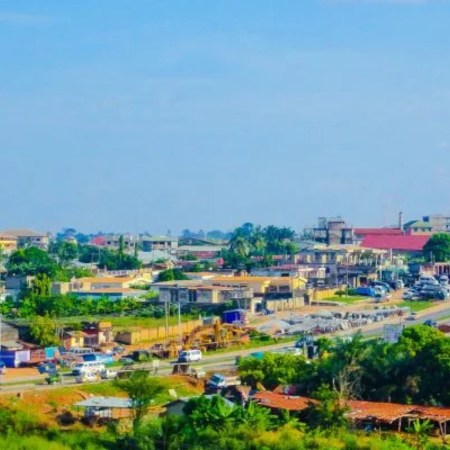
(321, 294)
(139, 335)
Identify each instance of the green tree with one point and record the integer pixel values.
(171, 275)
(420, 431)
(31, 261)
(437, 249)
(43, 331)
(142, 391)
(65, 252)
(326, 412)
(41, 285)
(212, 412)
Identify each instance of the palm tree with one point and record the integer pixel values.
(420, 431)
(258, 241)
(240, 246)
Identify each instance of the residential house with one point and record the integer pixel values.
(163, 243)
(115, 288)
(280, 291)
(419, 228)
(292, 271)
(29, 238)
(112, 241)
(406, 244)
(359, 234)
(8, 243)
(198, 294)
(428, 225)
(73, 339)
(97, 333)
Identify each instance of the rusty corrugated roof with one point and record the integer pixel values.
(280, 401)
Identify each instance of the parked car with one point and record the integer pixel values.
(108, 374)
(196, 372)
(410, 295)
(190, 356)
(88, 376)
(382, 284)
(46, 367)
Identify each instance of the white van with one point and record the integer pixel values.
(87, 366)
(190, 356)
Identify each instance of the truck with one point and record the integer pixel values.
(219, 381)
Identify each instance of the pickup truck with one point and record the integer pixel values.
(219, 381)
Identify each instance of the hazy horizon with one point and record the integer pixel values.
(154, 116)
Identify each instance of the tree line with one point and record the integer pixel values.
(414, 370)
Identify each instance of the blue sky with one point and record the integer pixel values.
(156, 115)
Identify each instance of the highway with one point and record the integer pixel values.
(226, 361)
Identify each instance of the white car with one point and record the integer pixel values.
(88, 376)
(409, 295)
(108, 374)
(190, 356)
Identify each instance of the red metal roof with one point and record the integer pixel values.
(280, 401)
(99, 240)
(388, 242)
(358, 410)
(379, 231)
(382, 412)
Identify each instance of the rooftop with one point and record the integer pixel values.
(105, 402)
(112, 291)
(280, 401)
(379, 231)
(243, 279)
(23, 232)
(159, 239)
(94, 280)
(386, 242)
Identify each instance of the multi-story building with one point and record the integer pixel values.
(29, 238)
(332, 231)
(165, 243)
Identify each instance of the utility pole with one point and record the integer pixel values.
(166, 312)
(179, 314)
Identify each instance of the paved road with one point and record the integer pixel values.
(224, 361)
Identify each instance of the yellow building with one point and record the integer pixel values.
(8, 243)
(260, 285)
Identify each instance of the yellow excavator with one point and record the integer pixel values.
(215, 335)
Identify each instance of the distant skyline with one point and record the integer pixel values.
(150, 115)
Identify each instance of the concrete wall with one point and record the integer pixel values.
(321, 294)
(285, 304)
(140, 335)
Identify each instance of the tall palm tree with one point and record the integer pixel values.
(240, 246)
